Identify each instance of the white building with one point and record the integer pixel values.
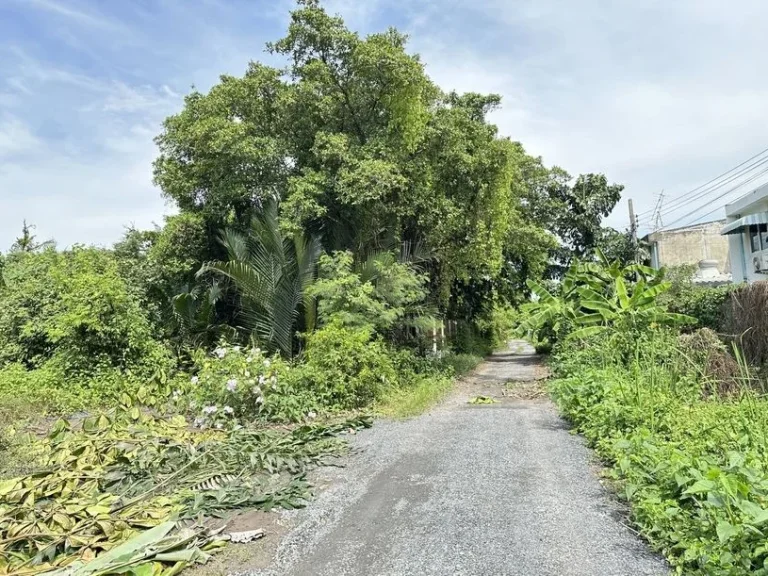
(747, 231)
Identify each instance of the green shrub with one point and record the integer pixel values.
(235, 384)
(51, 390)
(381, 292)
(459, 364)
(345, 368)
(704, 303)
(470, 340)
(499, 323)
(73, 308)
(692, 466)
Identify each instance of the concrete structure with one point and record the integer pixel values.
(747, 232)
(709, 275)
(690, 245)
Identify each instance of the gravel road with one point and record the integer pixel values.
(498, 489)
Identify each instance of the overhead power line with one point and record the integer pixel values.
(680, 200)
(718, 206)
(706, 192)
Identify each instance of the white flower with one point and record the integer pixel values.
(273, 379)
(256, 390)
(220, 352)
(194, 379)
(176, 394)
(228, 410)
(247, 374)
(260, 400)
(257, 350)
(262, 380)
(231, 385)
(267, 362)
(312, 415)
(249, 359)
(210, 410)
(237, 348)
(199, 422)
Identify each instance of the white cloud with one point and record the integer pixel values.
(656, 94)
(16, 138)
(87, 18)
(85, 172)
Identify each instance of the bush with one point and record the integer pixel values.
(692, 467)
(470, 340)
(499, 324)
(51, 390)
(381, 293)
(459, 364)
(73, 308)
(704, 303)
(235, 384)
(72, 332)
(345, 368)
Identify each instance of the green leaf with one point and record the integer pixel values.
(8, 486)
(760, 518)
(621, 292)
(700, 487)
(589, 319)
(544, 296)
(726, 531)
(586, 332)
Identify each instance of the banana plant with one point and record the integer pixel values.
(601, 296)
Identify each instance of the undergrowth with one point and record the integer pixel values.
(690, 461)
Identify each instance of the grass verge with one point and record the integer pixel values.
(409, 402)
(406, 403)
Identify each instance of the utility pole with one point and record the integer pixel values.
(633, 228)
(632, 221)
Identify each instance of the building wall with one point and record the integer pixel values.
(740, 249)
(738, 246)
(692, 244)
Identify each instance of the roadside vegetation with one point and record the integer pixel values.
(676, 411)
(349, 240)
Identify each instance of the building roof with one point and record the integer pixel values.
(738, 206)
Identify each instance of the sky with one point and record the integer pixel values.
(657, 95)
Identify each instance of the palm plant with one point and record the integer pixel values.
(271, 273)
(192, 318)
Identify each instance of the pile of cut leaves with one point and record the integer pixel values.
(132, 493)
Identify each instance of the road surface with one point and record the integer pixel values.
(497, 489)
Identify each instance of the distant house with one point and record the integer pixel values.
(747, 231)
(695, 244)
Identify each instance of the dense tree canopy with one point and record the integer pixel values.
(359, 147)
(356, 143)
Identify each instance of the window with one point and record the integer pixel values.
(758, 237)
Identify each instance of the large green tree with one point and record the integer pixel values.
(579, 208)
(357, 145)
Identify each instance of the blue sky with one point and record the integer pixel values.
(656, 94)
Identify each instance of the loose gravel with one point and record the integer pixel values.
(497, 489)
